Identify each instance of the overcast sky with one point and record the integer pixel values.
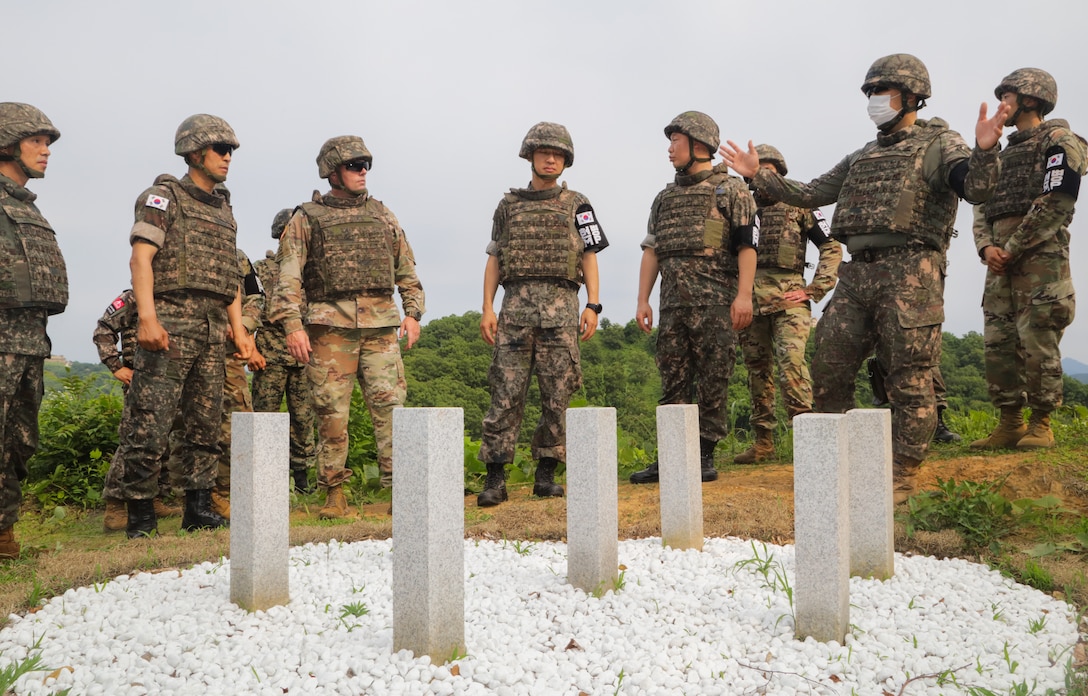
(443, 92)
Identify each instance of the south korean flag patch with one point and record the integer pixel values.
(1059, 177)
(154, 201)
(116, 306)
(589, 229)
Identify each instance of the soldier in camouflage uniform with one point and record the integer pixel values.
(33, 285)
(283, 376)
(702, 239)
(341, 257)
(118, 324)
(782, 314)
(187, 286)
(896, 202)
(877, 375)
(544, 244)
(236, 396)
(1022, 235)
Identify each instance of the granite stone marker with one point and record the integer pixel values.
(821, 457)
(592, 507)
(872, 533)
(681, 483)
(429, 532)
(260, 509)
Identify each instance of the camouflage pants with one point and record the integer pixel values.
(895, 305)
(1024, 326)
(940, 391)
(553, 354)
(340, 356)
(269, 387)
(696, 351)
(187, 377)
(778, 338)
(170, 475)
(21, 388)
(236, 398)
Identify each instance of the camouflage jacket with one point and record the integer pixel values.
(118, 322)
(772, 281)
(271, 339)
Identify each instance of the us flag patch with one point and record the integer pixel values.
(159, 202)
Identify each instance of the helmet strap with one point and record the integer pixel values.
(692, 159)
(30, 173)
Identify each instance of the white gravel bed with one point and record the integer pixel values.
(682, 623)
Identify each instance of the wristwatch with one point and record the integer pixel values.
(598, 308)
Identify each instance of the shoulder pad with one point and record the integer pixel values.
(166, 179)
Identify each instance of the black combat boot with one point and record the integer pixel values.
(545, 485)
(648, 475)
(706, 460)
(301, 481)
(141, 518)
(494, 491)
(199, 513)
(942, 433)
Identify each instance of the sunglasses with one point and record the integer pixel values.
(357, 165)
(222, 149)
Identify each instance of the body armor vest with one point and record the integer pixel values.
(1023, 166)
(32, 270)
(689, 223)
(351, 249)
(886, 191)
(199, 251)
(781, 237)
(540, 240)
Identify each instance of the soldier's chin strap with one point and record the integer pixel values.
(920, 103)
(692, 159)
(545, 177)
(199, 165)
(6, 156)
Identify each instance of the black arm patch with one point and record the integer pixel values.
(252, 283)
(820, 233)
(957, 179)
(744, 236)
(585, 219)
(1059, 177)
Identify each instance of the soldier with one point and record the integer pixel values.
(33, 285)
(896, 203)
(1022, 235)
(877, 375)
(347, 253)
(702, 239)
(544, 244)
(118, 323)
(186, 283)
(282, 375)
(782, 315)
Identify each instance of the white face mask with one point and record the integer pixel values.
(880, 109)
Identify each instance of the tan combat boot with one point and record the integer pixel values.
(220, 502)
(1039, 434)
(166, 508)
(762, 448)
(336, 505)
(904, 471)
(116, 517)
(9, 548)
(1008, 432)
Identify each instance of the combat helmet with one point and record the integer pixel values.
(1031, 82)
(699, 128)
(770, 153)
(280, 221)
(18, 121)
(338, 150)
(545, 134)
(901, 70)
(202, 130)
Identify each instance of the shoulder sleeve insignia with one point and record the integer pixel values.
(116, 306)
(154, 201)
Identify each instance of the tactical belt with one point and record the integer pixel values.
(874, 254)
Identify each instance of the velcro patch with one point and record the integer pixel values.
(116, 306)
(154, 201)
(821, 233)
(1059, 177)
(589, 229)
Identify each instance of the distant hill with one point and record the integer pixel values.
(1075, 369)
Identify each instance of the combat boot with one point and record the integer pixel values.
(942, 433)
(116, 517)
(494, 491)
(165, 508)
(1008, 432)
(904, 471)
(762, 448)
(220, 502)
(301, 482)
(1039, 434)
(648, 475)
(9, 548)
(706, 460)
(199, 513)
(336, 505)
(141, 519)
(544, 485)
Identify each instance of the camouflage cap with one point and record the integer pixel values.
(201, 130)
(545, 134)
(770, 153)
(18, 121)
(697, 126)
(280, 221)
(336, 151)
(901, 70)
(1031, 82)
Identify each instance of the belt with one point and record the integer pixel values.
(876, 253)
